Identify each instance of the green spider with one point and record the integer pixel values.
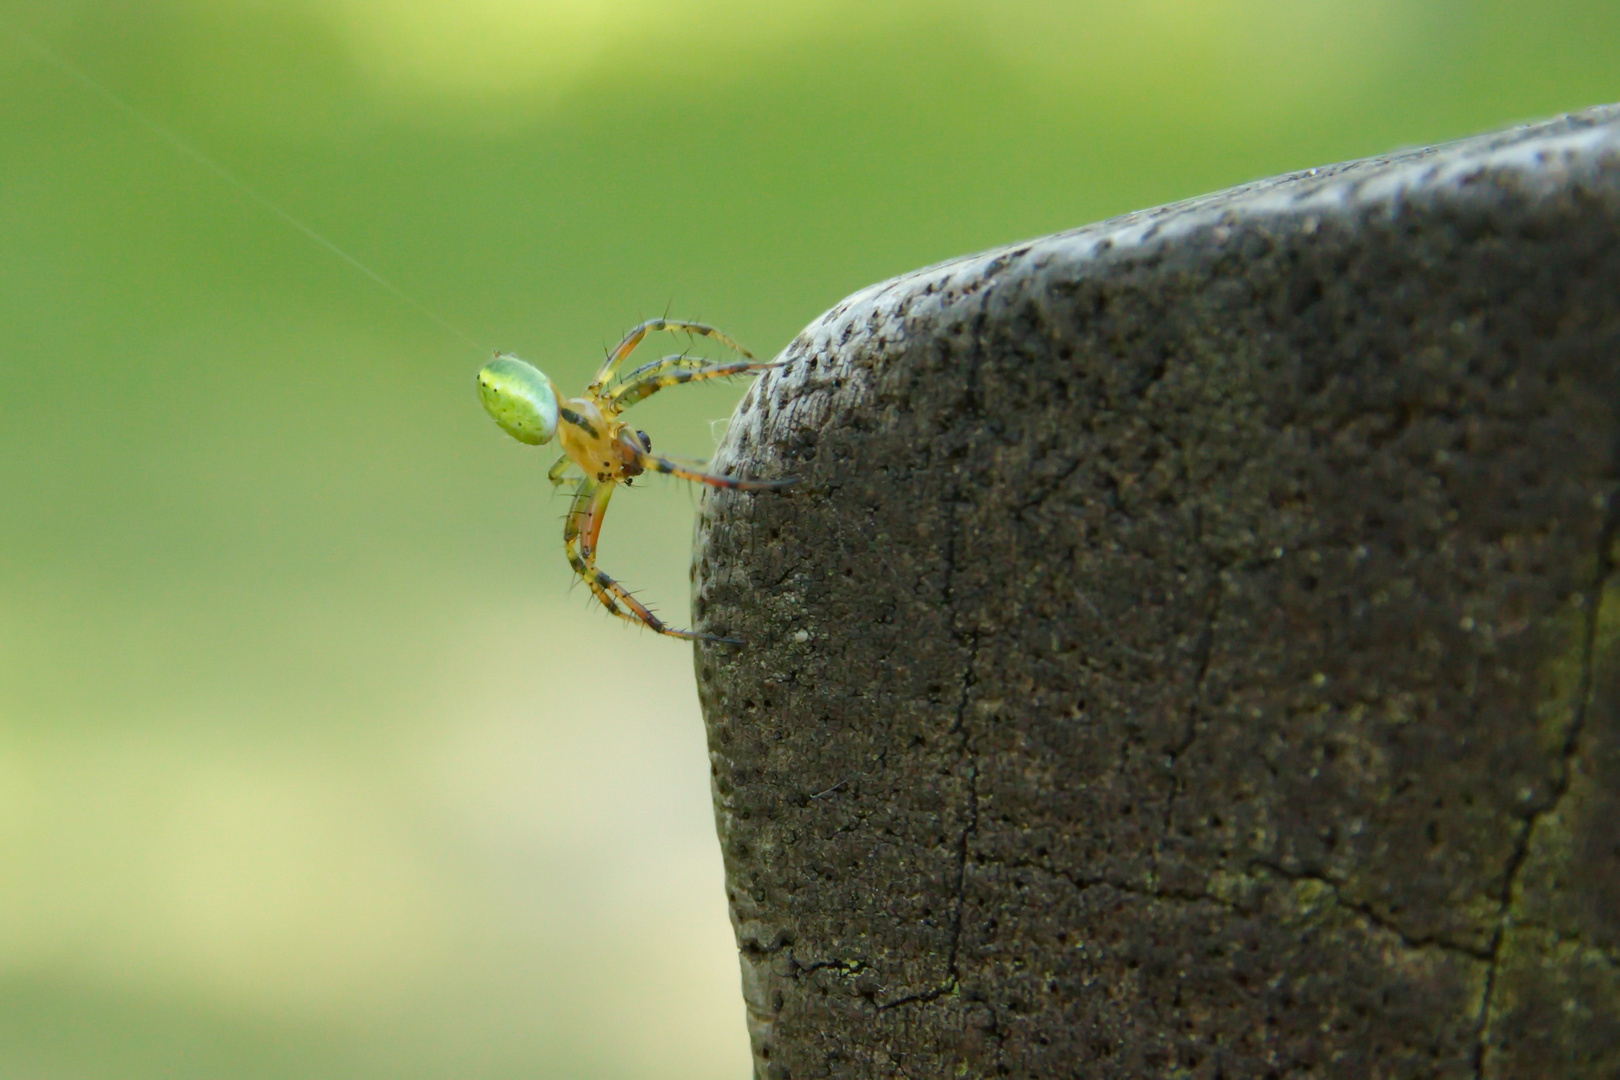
(527, 406)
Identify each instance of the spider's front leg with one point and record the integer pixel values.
(580, 533)
(672, 371)
(674, 326)
(693, 471)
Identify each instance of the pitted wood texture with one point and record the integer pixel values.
(1191, 647)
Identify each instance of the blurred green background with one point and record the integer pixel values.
(312, 762)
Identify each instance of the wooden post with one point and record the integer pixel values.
(1192, 647)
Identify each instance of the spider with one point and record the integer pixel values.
(527, 406)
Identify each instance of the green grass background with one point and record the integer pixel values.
(312, 763)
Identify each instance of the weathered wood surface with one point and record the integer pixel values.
(1193, 647)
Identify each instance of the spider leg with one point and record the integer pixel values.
(674, 326)
(558, 468)
(676, 360)
(636, 390)
(661, 364)
(694, 471)
(580, 533)
(584, 512)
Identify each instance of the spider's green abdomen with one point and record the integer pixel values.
(520, 398)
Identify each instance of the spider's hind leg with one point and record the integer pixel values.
(558, 468)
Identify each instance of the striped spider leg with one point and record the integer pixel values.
(527, 406)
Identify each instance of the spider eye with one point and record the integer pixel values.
(520, 398)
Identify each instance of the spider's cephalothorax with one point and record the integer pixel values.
(608, 451)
